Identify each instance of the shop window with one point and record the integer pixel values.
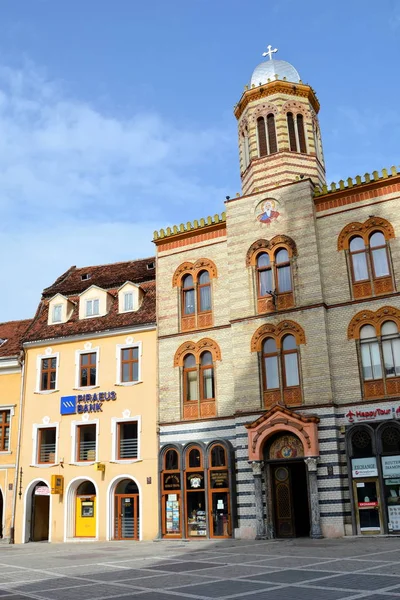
(280, 362)
(127, 440)
(272, 265)
(86, 443)
(195, 494)
(171, 495)
(391, 440)
(195, 287)
(129, 364)
(380, 359)
(87, 369)
(219, 492)
(46, 445)
(368, 254)
(361, 444)
(48, 373)
(5, 419)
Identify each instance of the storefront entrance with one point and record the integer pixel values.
(40, 513)
(85, 510)
(290, 499)
(368, 506)
(126, 511)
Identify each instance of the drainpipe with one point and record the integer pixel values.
(15, 485)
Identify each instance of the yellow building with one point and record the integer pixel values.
(10, 393)
(89, 432)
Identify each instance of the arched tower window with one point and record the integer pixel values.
(273, 145)
(297, 137)
(262, 138)
(301, 134)
(245, 148)
(292, 132)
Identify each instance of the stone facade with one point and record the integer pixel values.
(323, 303)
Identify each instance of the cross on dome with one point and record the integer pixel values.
(270, 52)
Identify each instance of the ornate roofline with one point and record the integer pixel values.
(370, 180)
(276, 87)
(182, 231)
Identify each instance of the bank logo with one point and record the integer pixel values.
(68, 405)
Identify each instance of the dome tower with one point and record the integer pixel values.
(279, 135)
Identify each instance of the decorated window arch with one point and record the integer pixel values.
(367, 250)
(272, 264)
(194, 282)
(197, 362)
(266, 135)
(278, 350)
(377, 336)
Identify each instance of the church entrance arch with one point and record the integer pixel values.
(286, 471)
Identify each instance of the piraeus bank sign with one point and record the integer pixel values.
(85, 403)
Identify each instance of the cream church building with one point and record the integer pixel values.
(278, 339)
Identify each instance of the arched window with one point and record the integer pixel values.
(283, 274)
(245, 149)
(218, 456)
(368, 254)
(171, 460)
(264, 274)
(370, 354)
(391, 349)
(204, 291)
(290, 361)
(262, 138)
(206, 377)
(190, 379)
(361, 443)
(188, 295)
(171, 494)
(219, 490)
(271, 367)
(390, 440)
(273, 145)
(292, 133)
(301, 134)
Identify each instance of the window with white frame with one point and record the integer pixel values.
(86, 442)
(129, 363)
(57, 313)
(92, 307)
(127, 440)
(128, 301)
(46, 445)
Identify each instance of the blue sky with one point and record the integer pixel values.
(116, 117)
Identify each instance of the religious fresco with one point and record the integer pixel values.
(269, 212)
(285, 447)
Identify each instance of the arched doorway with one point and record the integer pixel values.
(1, 514)
(40, 515)
(287, 476)
(85, 510)
(126, 511)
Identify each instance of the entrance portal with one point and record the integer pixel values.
(85, 512)
(40, 513)
(290, 499)
(126, 511)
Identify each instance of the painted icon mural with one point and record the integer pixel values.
(269, 213)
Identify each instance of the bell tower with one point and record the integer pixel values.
(279, 134)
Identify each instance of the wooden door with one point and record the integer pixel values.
(126, 517)
(283, 502)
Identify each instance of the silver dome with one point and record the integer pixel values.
(270, 68)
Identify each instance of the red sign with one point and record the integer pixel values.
(367, 504)
(374, 414)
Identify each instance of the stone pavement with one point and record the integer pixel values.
(351, 568)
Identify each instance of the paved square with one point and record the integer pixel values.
(298, 569)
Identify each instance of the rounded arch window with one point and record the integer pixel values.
(204, 291)
(270, 363)
(264, 274)
(370, 354)
(190, 378)
(379, 255)
(195, 458)
(283, 274)
(127, 486)
(86, 488)
(171, 460)
(188, 295)
(391, 348)
(218, 456)
(207, 391)
(358, 257)
(361, 443)
(390, 437)
(290, 361)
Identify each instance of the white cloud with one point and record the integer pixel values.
(81, 187)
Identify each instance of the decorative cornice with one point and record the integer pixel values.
(186, 230)
(277, 332)
(357, 182)
(278, 240)
(276, 87)
(369, 317)
(364, 230)
(196, 348)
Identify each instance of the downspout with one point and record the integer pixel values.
(21, 411)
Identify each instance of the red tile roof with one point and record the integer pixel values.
(108, 277)
(12, 332)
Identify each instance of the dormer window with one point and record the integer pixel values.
(150, 265)
(128, 301)
(57, 313)
(92, 307)
(85, 276)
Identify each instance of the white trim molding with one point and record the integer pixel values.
(11, 408)
(74, 426)
(110, 507)
(114, 437)
(70, 509)
(39, 359)
(35, 436)
(119, 348)
(27, 515)
(78, 354)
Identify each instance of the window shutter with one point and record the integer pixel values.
(262, 139)
(292, 134)
(300, 131)
(273, 146)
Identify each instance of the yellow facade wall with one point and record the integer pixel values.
(10, 386)
(133, 402)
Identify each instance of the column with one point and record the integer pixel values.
(257, 466)
(315, 531)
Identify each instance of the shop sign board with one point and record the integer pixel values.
(391, 466)
(364, 467)
(356, 415)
